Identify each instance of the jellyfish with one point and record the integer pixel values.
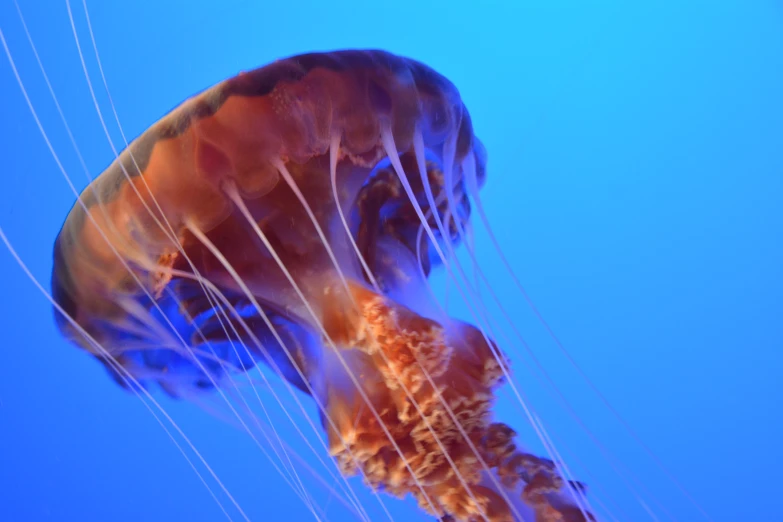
(290, 217)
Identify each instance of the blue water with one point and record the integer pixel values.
(635, 182)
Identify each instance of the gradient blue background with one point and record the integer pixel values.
(635, 180)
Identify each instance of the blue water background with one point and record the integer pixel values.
(635, 182)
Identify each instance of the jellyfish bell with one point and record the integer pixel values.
(290, 215)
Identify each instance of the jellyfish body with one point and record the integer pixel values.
(277, 218)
